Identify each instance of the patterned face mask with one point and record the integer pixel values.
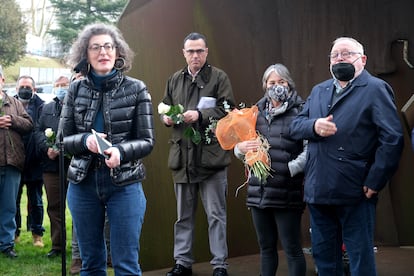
(278, 93)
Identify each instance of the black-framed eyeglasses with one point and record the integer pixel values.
(193, 51)
(96, 48)
(344, 54)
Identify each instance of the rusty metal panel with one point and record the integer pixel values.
(244, 37)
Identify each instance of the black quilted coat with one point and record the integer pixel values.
(281, 190)
(128, 122)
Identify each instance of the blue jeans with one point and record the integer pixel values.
(9, 185)
(352, 225)
(35, 209)
(125, 207)
(272, 224)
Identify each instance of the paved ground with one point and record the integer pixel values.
(391, 261)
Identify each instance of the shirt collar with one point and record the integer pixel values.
(338, 88)
(191, 74)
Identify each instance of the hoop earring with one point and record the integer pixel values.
(88, 68)
(119, 63)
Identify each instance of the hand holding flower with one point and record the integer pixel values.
(51, 139)
(52, 153)
(239, 127)
(249, 145)
(174, 113)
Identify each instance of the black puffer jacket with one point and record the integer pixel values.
(281, 190)
(128, 121)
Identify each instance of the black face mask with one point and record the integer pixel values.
(343, 71)
(25, 93)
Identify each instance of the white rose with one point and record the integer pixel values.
(48, 132)
(163, 108)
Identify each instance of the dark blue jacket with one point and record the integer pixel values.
(32, 168)
(366, 149)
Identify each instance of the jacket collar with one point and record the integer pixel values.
(108, 84)
(203, 75)
(361, 80)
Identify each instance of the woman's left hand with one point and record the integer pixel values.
(114, 159)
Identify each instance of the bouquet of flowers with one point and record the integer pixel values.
(240, 125)
(50, 138)
(175, 112)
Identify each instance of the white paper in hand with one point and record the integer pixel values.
(206, 102)
(102, 144)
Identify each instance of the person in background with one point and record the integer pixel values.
(355, 143)
(277, 204)
(32, 173)
(76, 263)
(14, 122)
(119, 108)
(49, 152)
(194, 170)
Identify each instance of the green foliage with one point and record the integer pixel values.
(12, 33)
(82, 13)
(193, 135)
(32, 261)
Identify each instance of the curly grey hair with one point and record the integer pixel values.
(79, 49)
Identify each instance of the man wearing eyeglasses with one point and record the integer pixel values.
(355, 142)
(198, 167)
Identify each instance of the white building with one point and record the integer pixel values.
(39, 15)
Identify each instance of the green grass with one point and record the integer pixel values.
(32, 261)
(12, 72)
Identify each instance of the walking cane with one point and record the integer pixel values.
(62, 178)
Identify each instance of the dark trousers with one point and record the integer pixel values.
(353, 225)
(34, 207)
(273, 224)
(52, 187)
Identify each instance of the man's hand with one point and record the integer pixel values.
(190, 116)
(167, 120)
(5, 121)
(52, 153)
(325, 126)
(368, 192)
